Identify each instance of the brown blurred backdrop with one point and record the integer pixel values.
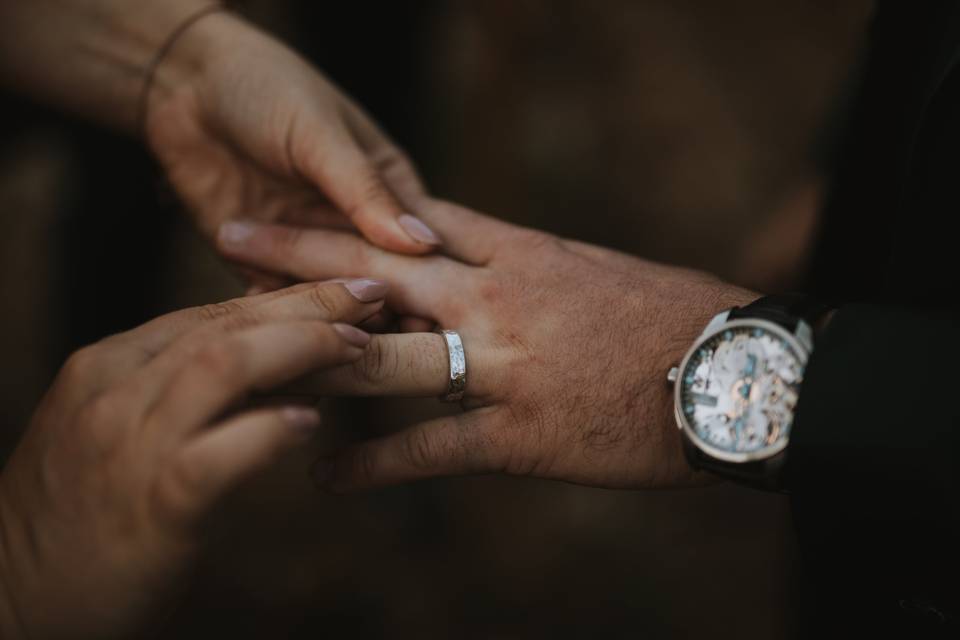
(684, 130)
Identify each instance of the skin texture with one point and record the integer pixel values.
(242, 126)
(567, 345)
(139, 437)
(245, 128)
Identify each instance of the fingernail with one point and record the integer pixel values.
(418, 229)
(366, 290)
(302, 418)
(322, 472)
(356, 337)
(256, 291)
(235, 234)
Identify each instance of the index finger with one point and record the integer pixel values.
(299, 302)
(212, 379)
(336, 164)
(328, 302)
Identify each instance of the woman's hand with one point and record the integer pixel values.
(567, 347)
(139, 436)
(245, 128)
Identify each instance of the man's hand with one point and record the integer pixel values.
(138, 438)
(567, 347)
(247, 129)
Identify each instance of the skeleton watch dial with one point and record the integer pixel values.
(738, 389)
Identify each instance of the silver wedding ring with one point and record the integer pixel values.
(458, 367)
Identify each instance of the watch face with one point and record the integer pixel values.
(738, 388)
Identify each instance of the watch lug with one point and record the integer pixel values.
(716, 322)
(673, 374)
(804, 334)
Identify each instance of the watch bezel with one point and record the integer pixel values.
(684, 425)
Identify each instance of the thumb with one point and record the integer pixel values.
(348, 177)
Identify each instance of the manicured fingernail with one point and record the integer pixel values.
(235, 233)
(302, 418)
(418, 229)
(356, 337)
(366, 290)
(322, 472)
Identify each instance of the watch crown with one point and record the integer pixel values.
(673, 375)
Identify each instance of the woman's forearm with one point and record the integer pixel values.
(10, 626)
(90, 57)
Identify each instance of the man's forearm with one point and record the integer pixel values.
(90, 57)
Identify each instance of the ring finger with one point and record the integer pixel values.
(408, 365)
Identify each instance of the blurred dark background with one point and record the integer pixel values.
(682, 130)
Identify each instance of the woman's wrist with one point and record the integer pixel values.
(188, 68)
(144, 38)
(181, 60)
(10, 627)
(88, 57)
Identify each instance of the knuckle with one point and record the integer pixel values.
(380, 361)
(177, 488)
(219, 311)
(324, 299)
(390, 158)
(491, 290)
(371, 189)
(96, 424)
(289, 240)
(219, 358)
(419, 449)
(82, 364)
(535, 240)
(98, 410)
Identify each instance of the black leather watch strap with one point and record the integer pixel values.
(786, 309)
(761, 474)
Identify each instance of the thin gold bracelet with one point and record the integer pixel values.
(162, 53)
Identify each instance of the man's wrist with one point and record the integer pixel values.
(738, 442)
(707, 304)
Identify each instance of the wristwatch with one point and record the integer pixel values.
(737, 387)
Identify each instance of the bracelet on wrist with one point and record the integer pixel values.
(162, 52)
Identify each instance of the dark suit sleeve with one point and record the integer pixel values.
(873, 468)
